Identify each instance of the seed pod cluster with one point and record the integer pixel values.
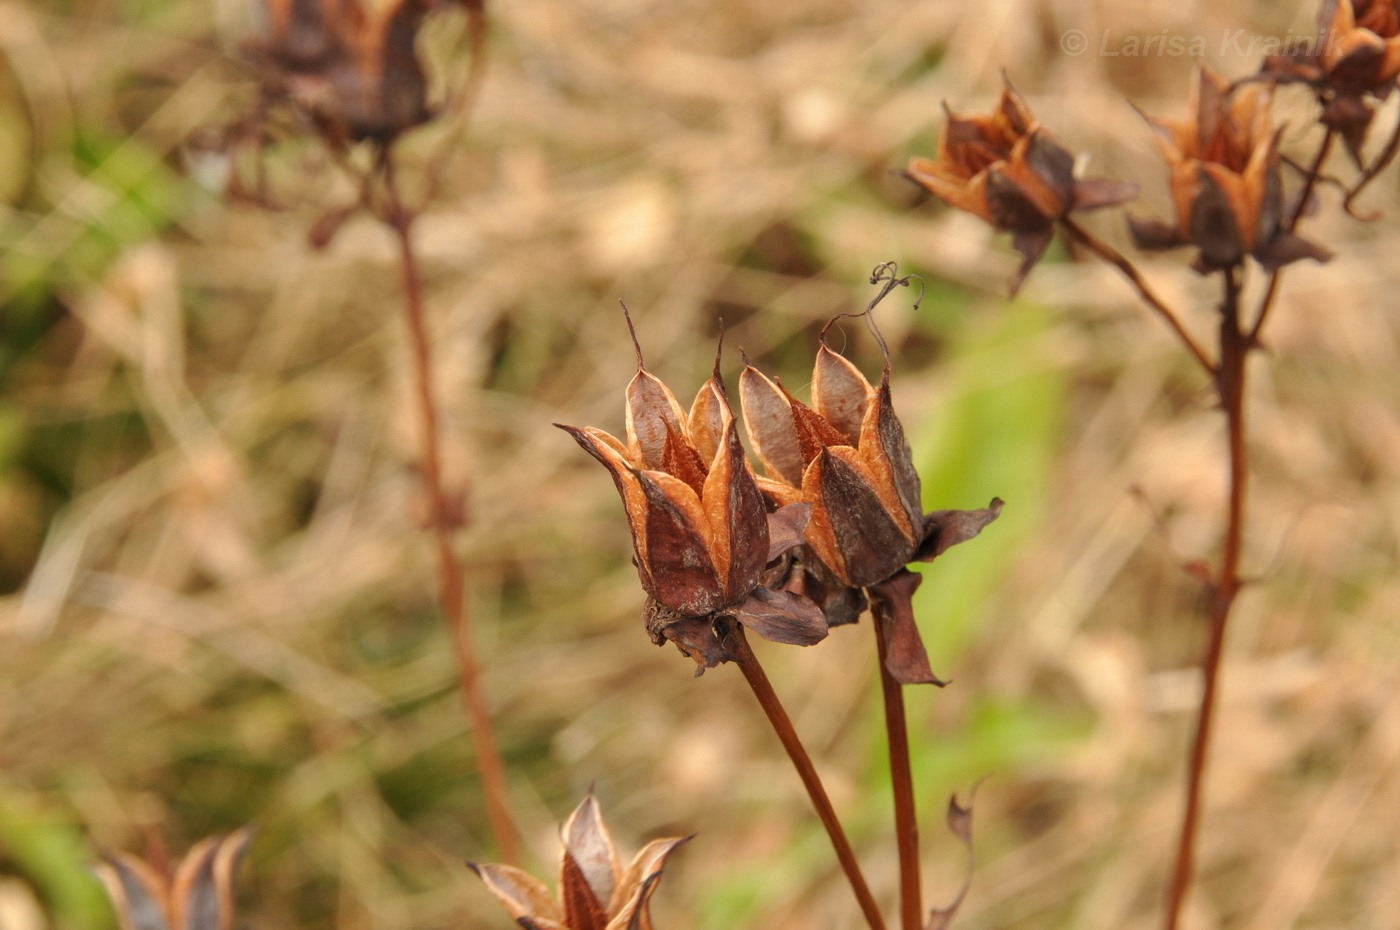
(789, 554)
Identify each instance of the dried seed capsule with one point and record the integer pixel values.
(1012, 172)
(1225, 181)
(700, 527)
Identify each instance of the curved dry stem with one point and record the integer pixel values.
(445, 517)
(902, 779)
(1115, 258)
(782, 725)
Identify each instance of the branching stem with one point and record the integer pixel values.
(1115, 258)
(1266, 302)
(445, 517)
(1234, 352)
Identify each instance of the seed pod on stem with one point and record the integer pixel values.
(701, 532)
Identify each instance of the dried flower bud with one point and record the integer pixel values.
(198, 896)
(847, 457)
(1012, 172)
(356, 71)
(595, 892)
(700, 528)
(1225, 181)
(1355, 58)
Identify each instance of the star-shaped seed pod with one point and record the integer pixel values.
(1012, 172)
(1226, 186)
(354, 70)
(1352, 64)
(595, 891)
(847, 457)
(701, 532)
(197, 896)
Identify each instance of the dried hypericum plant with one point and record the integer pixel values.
(595, 891)
(700, 529)
(1012, 172)
(703, 537)
(351, 78)
(198, 895)
(356, 72)
(1226, 187)
(1352, 64)
(846, 456)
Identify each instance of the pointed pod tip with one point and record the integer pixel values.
(637, 346)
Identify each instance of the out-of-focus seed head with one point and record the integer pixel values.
(355, 71)
(198, 895)
(1225, 180)
(1012, 172)
(595, 891)
(1352, 63)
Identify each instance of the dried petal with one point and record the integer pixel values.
(646, 867)
(785, 528)
(905, 656)
(709, 416)
(652, 415)
(695, 637)
(840, 393)
(520, 893)
(737, 518)
(782, 617)
(888, 461)
(944, 529)
(609, 451)
(768, 419)
(582, 909)
(137, 893)
(643, 876)
(1096, 193)
(202, 893)
(871, 544)
(586, 839)
(959, 820)
(677, 555)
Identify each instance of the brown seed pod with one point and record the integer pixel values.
(595, 891)
(701, 531)
(1224, 176)
(197, 896)
(1012, 172)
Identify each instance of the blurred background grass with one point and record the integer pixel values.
(218, 606)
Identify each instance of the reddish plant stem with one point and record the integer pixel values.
(1266, 302)
(906, 822)
(1234, 351)
(782, 725)
(445, 517)
(1115, 258)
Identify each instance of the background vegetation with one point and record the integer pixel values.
(218, 605)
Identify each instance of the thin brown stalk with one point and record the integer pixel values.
(1115, 258)
(445, 517)
(901, 776)
(1234, 351)
(782, 725)
(1266, 302)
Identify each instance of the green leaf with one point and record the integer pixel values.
(994, 436)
